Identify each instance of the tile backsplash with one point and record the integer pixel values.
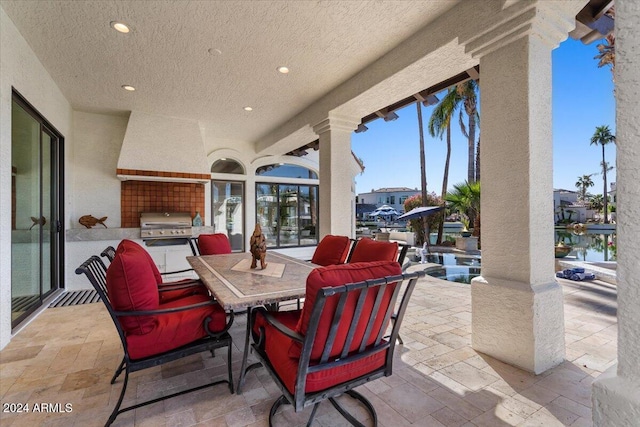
(153, 196)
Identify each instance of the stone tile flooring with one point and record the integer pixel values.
(68, 354)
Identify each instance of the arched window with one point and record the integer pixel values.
(285, 170)
(227, 166)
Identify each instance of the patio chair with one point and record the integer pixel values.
(366, 249)
(110, 253)
(210, 244)
(338, 340)
(331, 250)
(168, 290)
(153, 333)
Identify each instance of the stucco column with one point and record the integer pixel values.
(335, 197)
(517, 305)
(616, 393)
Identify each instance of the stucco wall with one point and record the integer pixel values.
(19, 68)
(96, 190)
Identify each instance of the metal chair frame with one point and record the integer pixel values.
(301, 399)
(95, 271)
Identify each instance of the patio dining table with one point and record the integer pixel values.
(237, 287)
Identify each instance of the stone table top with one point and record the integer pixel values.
(236, 288)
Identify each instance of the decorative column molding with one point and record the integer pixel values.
(517, 305)
(616, 393)
(335, 198)
(549, 21)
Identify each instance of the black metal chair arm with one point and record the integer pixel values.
(164, 310)
(176, 286)
(279, 325)
(177, 271)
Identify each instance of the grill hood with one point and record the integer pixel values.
(157, 148)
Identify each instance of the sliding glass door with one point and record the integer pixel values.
(288, 214)
(36, 190)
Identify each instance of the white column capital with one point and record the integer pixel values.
(334, 122)
(549, 21)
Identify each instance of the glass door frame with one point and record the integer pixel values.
(56, 206)
(298, 207)
(244, 209)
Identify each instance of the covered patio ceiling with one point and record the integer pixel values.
(207, 60)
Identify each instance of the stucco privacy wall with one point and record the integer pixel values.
(616, 393)
(20, 68)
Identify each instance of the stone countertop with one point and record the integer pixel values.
(101, 233)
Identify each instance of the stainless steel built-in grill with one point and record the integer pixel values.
(165, 225)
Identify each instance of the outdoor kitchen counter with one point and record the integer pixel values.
(100, 233)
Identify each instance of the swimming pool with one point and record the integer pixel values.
(454, 267)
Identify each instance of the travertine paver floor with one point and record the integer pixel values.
(68, 354)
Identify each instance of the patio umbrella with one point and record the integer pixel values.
(420, 212)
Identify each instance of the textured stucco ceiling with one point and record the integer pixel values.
(167, 55)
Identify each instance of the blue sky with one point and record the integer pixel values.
(582, 99)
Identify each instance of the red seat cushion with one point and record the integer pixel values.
(331, 250)
(287, 367)
(338, 275)
(132, 286)
(133, 246)
(284, 353)
(288, 318)
(174, 330)
(195, 288)
(214, 244)
(167, 295)
(367, 250)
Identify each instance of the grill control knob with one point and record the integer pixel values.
(161, 232)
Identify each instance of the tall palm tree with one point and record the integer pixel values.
(603, 136)
(439, 124)
(583, 183)
(468, 95)
(423, 166)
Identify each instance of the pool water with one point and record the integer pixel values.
(596, 247)
(454, 267)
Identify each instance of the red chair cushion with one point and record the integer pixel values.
(214, 244)
(287, 367)
(288, 318)
(367, 250)
(331, 250)
(132, 287)
(168, 294)
(173, 330)
(338, 275)
(133, 246)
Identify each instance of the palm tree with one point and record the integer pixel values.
(596, 202)
(607, 50)
(467, 93)
(603, 136)
(583, 183)
(465, 198)
(439, 123)
(423, 166)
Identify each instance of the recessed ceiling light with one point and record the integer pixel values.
(248, 109)
(213, 51)
(128, 87)
(223, 158)
(283, 70)
(120, 27)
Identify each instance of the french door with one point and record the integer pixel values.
(36, 198)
